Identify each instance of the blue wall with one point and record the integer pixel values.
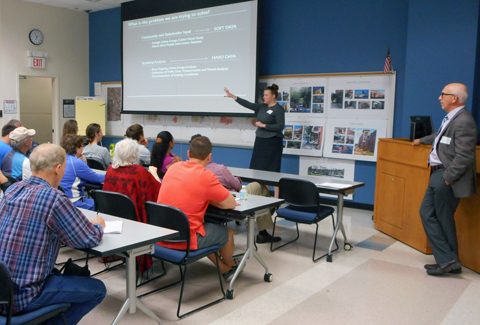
(432, 44)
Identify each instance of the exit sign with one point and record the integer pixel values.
(37, 63)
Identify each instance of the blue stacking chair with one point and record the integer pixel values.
(34, 317)
(303, 207)
(165, 216)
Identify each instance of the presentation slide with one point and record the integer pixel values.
(181, 62)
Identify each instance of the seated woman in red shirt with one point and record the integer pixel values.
(123, 176)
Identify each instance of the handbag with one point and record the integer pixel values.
(70, 268)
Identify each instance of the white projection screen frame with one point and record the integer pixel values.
(179, 63)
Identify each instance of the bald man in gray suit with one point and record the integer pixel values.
(453, 176)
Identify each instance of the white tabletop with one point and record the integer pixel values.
(134, 234)
(272, 178)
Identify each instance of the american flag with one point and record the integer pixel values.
(388, 62)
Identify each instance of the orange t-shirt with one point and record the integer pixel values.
(189, 187)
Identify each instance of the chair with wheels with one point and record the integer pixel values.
(303, 207)
(34, 317)
(165, 216)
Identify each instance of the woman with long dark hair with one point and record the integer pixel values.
(161, 158)
(93, 150)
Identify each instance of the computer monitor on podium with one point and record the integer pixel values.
(420, 126)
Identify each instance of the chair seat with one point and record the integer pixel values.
(306, 215)
(21, 319)
(176, 256)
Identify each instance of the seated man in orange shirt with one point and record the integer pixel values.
(189, 187)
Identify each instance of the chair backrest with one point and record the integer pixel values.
(11, 179)
(298, 192)
(94, 164)
(162, 215)
(6, 291)
(115, 204)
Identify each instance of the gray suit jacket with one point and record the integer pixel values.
(458, 157)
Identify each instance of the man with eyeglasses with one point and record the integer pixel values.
(453, 176)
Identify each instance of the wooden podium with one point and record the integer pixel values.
(401, 182)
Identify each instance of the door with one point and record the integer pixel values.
(36, 104)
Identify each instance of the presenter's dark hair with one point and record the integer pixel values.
(134, 132)
(7, 128)
(70, 127)
(159, 151)
(91, 131)
(273, 89)
(71, 142)
(200, 148)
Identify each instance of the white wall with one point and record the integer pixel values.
(66, 42)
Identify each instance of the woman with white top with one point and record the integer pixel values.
(93, 150)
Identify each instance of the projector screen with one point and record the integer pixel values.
(179, 62)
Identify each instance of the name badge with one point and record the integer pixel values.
(446, 140)
(269, 111)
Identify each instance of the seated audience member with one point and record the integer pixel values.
(15, 163)
(161, 158)
(189, 187)
(233, 183)
(123, 176)
(135, 132)
(77, 173)
(17, 124)
(70, 127)
(93, 150)
(35, 219)
(5, 141)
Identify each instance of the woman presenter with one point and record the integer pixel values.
(268, 147)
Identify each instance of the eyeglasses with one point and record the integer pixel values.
(444, 94)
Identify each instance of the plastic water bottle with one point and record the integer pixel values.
(112, 148)
(243, 193)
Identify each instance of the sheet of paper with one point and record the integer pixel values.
(113, 227)
(333, 185)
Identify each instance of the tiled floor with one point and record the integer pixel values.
(380, 281)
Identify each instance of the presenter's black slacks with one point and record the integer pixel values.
(437, 213)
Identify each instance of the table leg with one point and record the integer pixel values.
(248, 253)
(339, 224)
(132, 302)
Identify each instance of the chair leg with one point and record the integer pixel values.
(168, 286)
(273, 235)
(64, 319)
(204, 306)
(315, 245)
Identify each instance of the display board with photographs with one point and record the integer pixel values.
(353, 139)
(360, 97)
(364, 97)
(328, 169)
(303, 135)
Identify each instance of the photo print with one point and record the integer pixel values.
(365, 141)
(336, 99)
(285, 96)
(317, 108)
(294, 144)
(350, 104)
(284, 104)
(377, 93)
(312, 137)
(349, 94)
(288, 132)
(363, 104)
(297, 132)
(361, 93)
(300, 99)
(342, 149)
(378, 104)
(318, 94)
